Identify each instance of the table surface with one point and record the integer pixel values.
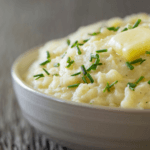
(25, 24)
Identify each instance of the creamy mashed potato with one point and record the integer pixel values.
(106, 63)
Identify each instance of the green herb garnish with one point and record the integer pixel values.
(84, 79)
(84, 41)
(55, 74)
(113, 28)
(48, 54)
(77, 46)
(93, 66)
(129, 65)
(101, 51)
(56, 64)
(74, 85)
(70, 62)
(68, 42)
(90, 77)
(38, 76)
(148, 82)
(147, 52)
(125, 29)
(45, 62)
(133, 85)
(139, 60)
(94, 33)
(75, 74)
(46, 71)
(63, 55)
(83, 70)
(109, 86)
(136, 23)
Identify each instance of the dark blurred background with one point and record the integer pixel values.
(28, 23)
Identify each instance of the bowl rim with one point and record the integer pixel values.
(18, 80)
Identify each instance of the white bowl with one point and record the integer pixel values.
(79, 126)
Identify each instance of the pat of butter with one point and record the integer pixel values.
(132, 43)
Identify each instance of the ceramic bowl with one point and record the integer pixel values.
(76, 125)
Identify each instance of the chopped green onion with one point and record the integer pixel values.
(55, 74)
(46, 71)
(137, 61)
(109, 86)
(84, 79)
(83, 70)
(136, 23)
(56, 64)
(94, 33)
(142, 77)
(101, 51)
(147, 52)
(84, 41)
(74, 44)
(45, 62)
(142, 61)
(79, 51)
(39, 76)
(92, 67)
(93, 56)
(129, 65)
(74, 85)
(133, 85)
(90, 77)
(113, 83)
(48, 54)
(148, 82)
(63, 55)
(125, 29)
(68, 42)
(75, 74)
(113, 28)
(70, 62)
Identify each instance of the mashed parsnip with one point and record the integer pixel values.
(106, 63)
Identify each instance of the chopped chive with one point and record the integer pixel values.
(46, 71)
(83, 70)
(79, 51)
(109, 86)
(92, 67)
(148, 82)
(68, 42)
(80, 44)
(75, 74)
(90, 77)
(63, 55)
(93, 56)
(142, 61)
(74, 44)
(56, 64)
(125, 29)
(136, 61)
(45, 62)
(39, 76)
(74, 85)
(147, 52)
(84, 41)
(113, 28)
(133, 85)
(129, 65)
(70, 62)
(94, 33)
(142, 77)
(136, 23)
(48, 54)
(101, 51)
(55, 74)
(84, 79)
